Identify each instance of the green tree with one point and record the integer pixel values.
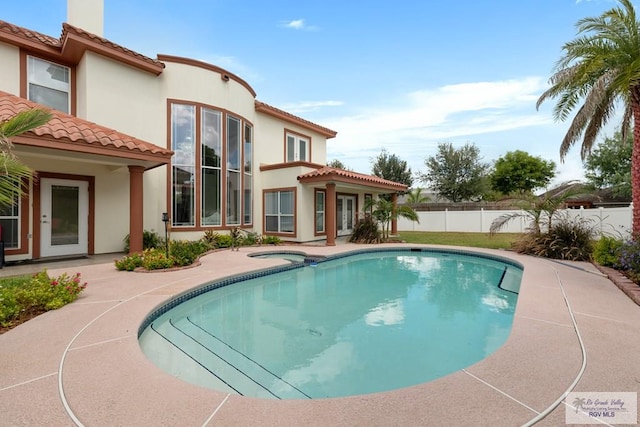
(13, 173)
(457, 173)
(385, 211)
(520, 172)
(335, 163)
(609, 165)
(390, 167)
(600, 70)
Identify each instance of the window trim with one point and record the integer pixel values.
(294, 190)
(24, 78)
(23, 224)
(298, 137)
(198, 226)
(323, 232)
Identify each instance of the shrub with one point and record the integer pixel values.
(629, 260)
(156, 259)
(570, 240)
(210, 238)
(185, 252)
(37, 294)
(365, 231)
(606, 251)
(129, 262)
(271, 240)
(150, 240)
(224, 241)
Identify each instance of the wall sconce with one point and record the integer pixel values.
(165, 219)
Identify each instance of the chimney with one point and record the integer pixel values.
(87, 14)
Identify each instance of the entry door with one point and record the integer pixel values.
(345, 215)
(64, 217)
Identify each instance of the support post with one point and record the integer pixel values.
(136, 223)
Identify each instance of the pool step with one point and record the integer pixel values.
(241, 373)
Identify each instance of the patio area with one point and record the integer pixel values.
(573, 330)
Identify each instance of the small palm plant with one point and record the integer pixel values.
(14, 173)
(540, 211)
(415, 197)
(385, 211)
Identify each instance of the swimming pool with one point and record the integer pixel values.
(367, 322)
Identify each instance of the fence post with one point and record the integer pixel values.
(446, 219)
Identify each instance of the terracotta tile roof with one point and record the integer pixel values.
(72, 44)
(281, 114)
(328, 173)
(7, 28)
(71, 133)
(68, 29)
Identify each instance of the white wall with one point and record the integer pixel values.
(611, 221)
(10, 75)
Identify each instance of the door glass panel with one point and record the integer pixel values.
(349, 214)
(64, 215)
(339, 218)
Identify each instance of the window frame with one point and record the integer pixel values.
(298, 138)
(279, 215)
(323, 212)
(198, 223)
(26, 81)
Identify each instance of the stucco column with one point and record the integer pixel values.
(394, 222)
(136, 226)
(331, 214)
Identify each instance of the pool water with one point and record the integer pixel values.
(359, 324)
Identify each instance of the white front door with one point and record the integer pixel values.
(345, 215)
(64, 217)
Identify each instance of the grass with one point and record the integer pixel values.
(474, 240)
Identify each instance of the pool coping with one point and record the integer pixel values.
(82, 365)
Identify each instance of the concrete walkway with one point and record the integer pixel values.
(82, 365)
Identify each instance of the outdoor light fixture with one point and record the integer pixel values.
(165, 219)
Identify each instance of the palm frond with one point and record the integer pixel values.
(22, 122)
(13, 178)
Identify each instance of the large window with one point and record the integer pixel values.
(49, 84)
(297, 147)
(211, 160)
(234, 158)
(10, 223)
(183, 122)
(248, 173)
(206, 166)
(320, 211)
(279, 211)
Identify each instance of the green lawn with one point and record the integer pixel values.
(474, 240)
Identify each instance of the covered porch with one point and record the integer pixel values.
(347, 193)
(88, 188)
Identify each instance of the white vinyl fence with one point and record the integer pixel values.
(610, 221)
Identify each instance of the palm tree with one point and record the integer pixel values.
(541, 211)
(415, 197)
(600, 68)
(386, 211)
(13, 173)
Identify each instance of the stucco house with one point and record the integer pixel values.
(133, 137)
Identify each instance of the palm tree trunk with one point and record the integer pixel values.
(635, 163)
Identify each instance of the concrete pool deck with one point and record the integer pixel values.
(82, 365)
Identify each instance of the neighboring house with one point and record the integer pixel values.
(133, 137)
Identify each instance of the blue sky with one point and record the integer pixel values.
(403, 76)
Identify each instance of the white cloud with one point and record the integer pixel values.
(298, 24)
(498, 116)
(306, 106)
